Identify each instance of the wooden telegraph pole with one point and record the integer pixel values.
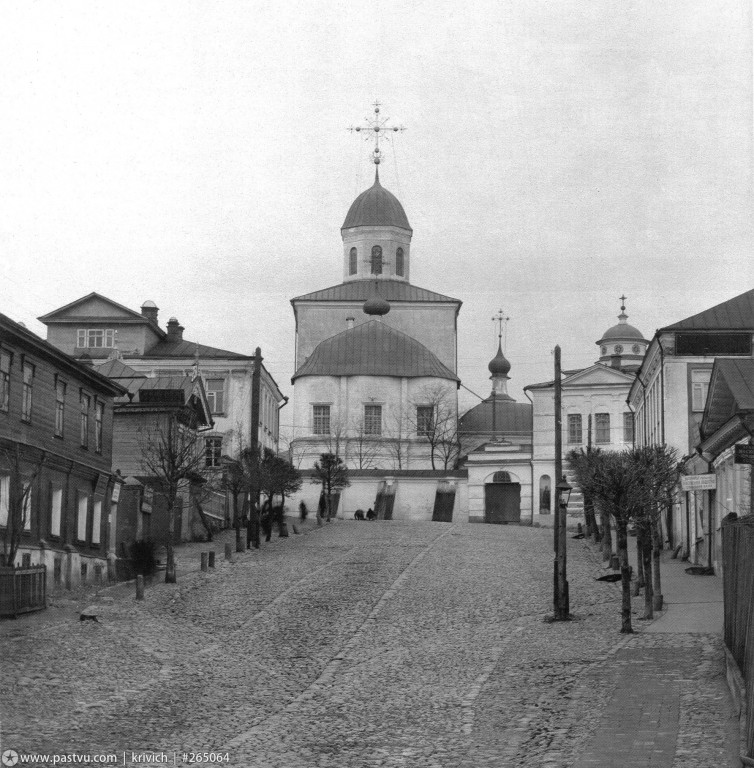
(560, 592)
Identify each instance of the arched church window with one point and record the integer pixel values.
(501, 477)
(376, 259)
(352, 262)
(399, 262)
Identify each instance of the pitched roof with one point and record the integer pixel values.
(116, 369)
(187, 349)
(94, 295)
(373, 349)
(392, 290)
(731, 390)
(735, 314)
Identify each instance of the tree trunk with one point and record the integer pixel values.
(592, 529)
(607, 537)
(625, 573)
(240, 546)
(656, 549)
(646, 551)
(639, 582)
(170, 577)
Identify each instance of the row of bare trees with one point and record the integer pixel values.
(629, 488)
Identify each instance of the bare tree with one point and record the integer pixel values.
(172, 453)
(435, 417)
(21, 478)
(397, 440)
(362, 448)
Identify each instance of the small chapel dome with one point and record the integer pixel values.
(376, 207)
(622, 331)
(499, 365)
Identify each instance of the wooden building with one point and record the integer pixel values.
(56, 422)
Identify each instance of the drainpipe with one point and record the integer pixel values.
(662, 390)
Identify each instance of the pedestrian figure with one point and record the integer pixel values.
(266, 520)
(358, 514)
(302, 511)
(371, 514)
(278, 516)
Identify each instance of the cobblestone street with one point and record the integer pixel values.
(372, 644)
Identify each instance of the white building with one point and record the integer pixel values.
(594, 410)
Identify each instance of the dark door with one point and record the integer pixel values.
(444, 503)
(502, 503)
(383, 505)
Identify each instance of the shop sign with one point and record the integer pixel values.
(698, 482)
(744, 454)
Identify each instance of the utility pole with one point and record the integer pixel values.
(560, 585)
(252, 533)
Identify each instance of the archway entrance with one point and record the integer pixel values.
(502, 500)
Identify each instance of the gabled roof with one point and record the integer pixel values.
(187, 349)
(731, 391)
(392, 290)
(735, 314)
(588, 377)
(373, 349)
(116, 369)
(55, 314)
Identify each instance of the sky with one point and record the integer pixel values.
(556, 156)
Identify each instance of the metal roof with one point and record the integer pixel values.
(392, 290)
(735, 314)
(376, 207)
(117, 369)
(373, 349)
(187, 349)
(731, 390)
(510, 418)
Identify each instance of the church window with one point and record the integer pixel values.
(602, 427)
(352, 264)
(321, 419)
(215, 395)
(372, 419)
(628, 427)
(399, 262)
(376, 259)
(424, 414)
(574, 428)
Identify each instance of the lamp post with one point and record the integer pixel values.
(562, 603)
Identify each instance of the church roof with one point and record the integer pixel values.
(510, 418)
(376, 207)
(622, 331)
(373, 349)
(391, 290)
(735, 314)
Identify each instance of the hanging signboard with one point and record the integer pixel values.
(744, 454)
(698, 482)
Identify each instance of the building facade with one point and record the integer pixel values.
(92, 327)
(56, 423)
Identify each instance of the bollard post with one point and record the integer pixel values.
(615, 563)
(205, 559)
(212, 558)
(139, 587)
(229, 552)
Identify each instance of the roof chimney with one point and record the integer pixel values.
(175, 331)
(149, 310)
(349, 323)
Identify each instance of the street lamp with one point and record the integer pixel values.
(564, 492)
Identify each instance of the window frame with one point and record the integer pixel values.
(628, 431)
(424, 426)
(82, 521)
(601, 429)
(59, 430)
(353, 261)
(399, 262)
(107, 337)
(5, 355)
(27, 392)
(56, 511)
(376, 260)
(702, 387)
(99, 419)
(212, 396)
(324, 418)
(84, 397)
(372, 423)
(213, 457)
(571, 420)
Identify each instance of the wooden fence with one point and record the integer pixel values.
(738, 591)
(23, 589)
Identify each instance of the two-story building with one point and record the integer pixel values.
(669, 398)
(91, 327)
(593, 409)
(56, 422)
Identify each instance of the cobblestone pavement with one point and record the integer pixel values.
(373, 644)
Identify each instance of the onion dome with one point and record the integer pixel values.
(375, 304)
(376, 207)
(499, 365)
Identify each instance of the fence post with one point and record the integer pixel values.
(212, 558)
(205, 560)
(139, 587)
(229, 552)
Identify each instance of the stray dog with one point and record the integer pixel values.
(358, 514)
(371, 514)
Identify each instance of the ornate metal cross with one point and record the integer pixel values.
(501, 320)
(376, 127)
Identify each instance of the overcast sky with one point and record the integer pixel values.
(557, 155)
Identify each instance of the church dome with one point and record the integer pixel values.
(499, 365)
(622, 331)
(375, 304)
(376, 207)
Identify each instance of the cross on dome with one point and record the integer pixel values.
(378, 127)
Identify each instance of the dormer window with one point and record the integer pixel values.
(376, 260)
(352, 264)
(399, 262)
